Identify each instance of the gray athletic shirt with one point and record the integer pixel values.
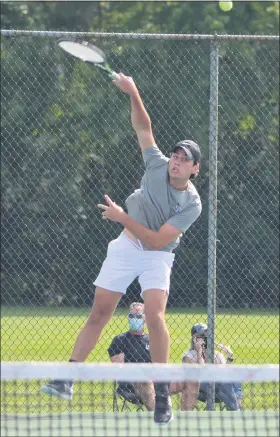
(157, 203)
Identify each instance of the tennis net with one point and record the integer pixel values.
(99, 409)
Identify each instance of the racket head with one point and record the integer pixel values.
(82, 50)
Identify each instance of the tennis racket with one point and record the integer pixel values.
(89, 53)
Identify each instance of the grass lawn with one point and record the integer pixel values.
(49, 334)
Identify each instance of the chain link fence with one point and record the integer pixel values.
(67, 140)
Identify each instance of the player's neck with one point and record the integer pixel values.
(178, 184)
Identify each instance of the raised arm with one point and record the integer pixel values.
(140, 119)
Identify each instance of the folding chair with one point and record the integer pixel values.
(124, 393)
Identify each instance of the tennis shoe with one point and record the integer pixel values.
(163, 409)
(60, 389)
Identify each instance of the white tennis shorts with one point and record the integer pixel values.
(126, 261)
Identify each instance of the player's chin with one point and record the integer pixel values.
(175, 178)
(174, 174)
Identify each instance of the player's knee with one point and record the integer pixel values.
(99, 316)
(155, 321)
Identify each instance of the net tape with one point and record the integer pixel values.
(139, 372)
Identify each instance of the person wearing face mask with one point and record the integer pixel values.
(133, 347)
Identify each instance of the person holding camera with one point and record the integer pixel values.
(193, 391)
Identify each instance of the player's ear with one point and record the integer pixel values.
(195, 170)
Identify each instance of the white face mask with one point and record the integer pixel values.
(136, 324)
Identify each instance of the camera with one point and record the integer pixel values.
(204, 341)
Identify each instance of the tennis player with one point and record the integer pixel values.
(158, 213)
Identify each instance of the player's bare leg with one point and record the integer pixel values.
(155, 305)
(104, 305)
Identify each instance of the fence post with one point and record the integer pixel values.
(212, 215)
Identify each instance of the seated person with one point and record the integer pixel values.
(192, 391)
(133, 347)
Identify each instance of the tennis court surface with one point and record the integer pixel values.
(215, 423)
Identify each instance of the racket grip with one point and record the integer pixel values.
(115, 76)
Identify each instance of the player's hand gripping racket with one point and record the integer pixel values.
(87, 52)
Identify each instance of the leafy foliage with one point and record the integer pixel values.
(67, 139)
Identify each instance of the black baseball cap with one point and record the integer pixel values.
(190, 148)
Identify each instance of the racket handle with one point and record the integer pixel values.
(115, 76)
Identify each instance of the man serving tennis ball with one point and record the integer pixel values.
(164, 207)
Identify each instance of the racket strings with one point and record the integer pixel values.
(83, 52)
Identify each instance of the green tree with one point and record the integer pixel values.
(67, 139)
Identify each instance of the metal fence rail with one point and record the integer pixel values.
(127, 35)
(67, 139)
